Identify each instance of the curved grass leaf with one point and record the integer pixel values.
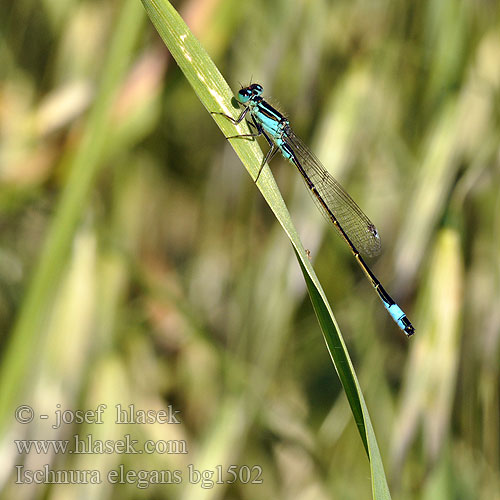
(215, 95)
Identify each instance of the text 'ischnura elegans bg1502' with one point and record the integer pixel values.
(354, 226)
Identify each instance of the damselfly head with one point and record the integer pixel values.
(247, 93)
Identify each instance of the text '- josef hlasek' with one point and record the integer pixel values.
(123, 415)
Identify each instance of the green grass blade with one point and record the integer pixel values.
(345, 370)
(215, 95)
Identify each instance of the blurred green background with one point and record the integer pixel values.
(140, 265)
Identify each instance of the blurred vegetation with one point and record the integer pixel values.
(178, 287)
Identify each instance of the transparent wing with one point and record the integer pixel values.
(358, 227)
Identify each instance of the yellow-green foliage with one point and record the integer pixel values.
(139, 264)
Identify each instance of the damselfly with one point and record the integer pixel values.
(354, 226)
